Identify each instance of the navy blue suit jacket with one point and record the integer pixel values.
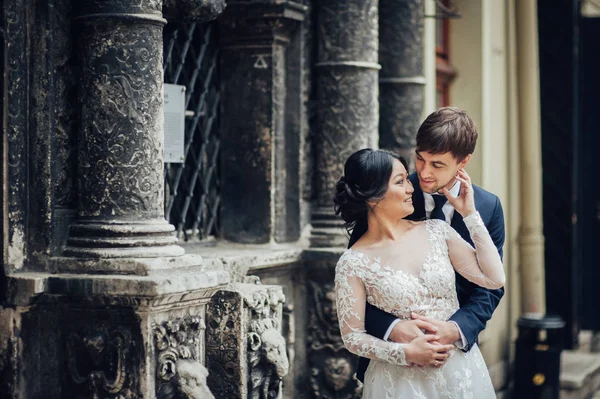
(476, 303)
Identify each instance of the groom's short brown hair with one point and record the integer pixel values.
(448, 129)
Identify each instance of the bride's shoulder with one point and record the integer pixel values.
(351, 258)
(437, 227)
(350, 253)
(435, 224)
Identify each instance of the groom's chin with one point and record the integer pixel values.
(426, 188)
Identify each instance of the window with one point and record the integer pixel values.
(192, 193)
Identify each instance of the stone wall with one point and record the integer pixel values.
(99, 299)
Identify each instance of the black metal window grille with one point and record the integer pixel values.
(191, 59)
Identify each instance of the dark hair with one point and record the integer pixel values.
(366, 178)
(448, 129)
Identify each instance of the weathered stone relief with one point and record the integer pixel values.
(401, 80)
(180, 373)
(246, 352)
(254, 54)
(347, 105)
(192, 10)
(223, 345)
(288, 331)
(16, 121)
(347, 95)
(97, 362)
(332, 373)
(120, 145)
(267, 359)
(190, 382)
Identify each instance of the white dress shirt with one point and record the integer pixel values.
(449, 213)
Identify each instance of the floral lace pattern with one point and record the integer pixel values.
(384, 279)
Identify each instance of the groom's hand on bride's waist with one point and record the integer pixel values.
(446, 330)
(427, 351)
(406, 331)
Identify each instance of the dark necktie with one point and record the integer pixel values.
(437, 213)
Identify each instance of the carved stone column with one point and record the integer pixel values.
(245, 351)
(401, 80)
(120, 159)
(257, 154)
(112, 319)
(347, 106)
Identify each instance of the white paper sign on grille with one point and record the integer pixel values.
(174, 123)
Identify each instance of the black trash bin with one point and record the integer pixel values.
(537, 357)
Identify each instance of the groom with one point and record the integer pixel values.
(445, 142)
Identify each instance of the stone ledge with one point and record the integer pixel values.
(239, 259)
(161, 286)
(579, 374)
(138, 266)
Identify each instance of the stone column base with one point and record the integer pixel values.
(108, 336)
(327, 229)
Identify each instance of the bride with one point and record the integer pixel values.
(403, 266)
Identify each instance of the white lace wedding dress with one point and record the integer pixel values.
(416, 274)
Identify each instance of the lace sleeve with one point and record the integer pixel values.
(351, 299)
(481, 265)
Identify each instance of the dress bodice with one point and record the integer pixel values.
(413, 274)
(431, 291)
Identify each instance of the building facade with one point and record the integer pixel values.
(125, 277)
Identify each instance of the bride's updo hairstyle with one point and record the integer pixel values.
(366, 178)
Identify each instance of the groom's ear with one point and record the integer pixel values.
(465, 161)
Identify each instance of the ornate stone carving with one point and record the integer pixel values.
(332, 366)
(267, 359)
(401, 38)
(347, 109)
(323, 328)
(348, 114)
(97, 362)
(401, 78)
(246, 353)
(67, 118)
(348, 30)
(16, 73)
(190, 382)
(192, 10)
(177, 339)
(120, 152)
(178, 351)
(224, 348)
(120, 156)
(401, 107)
(122, 6)
(288, 331)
